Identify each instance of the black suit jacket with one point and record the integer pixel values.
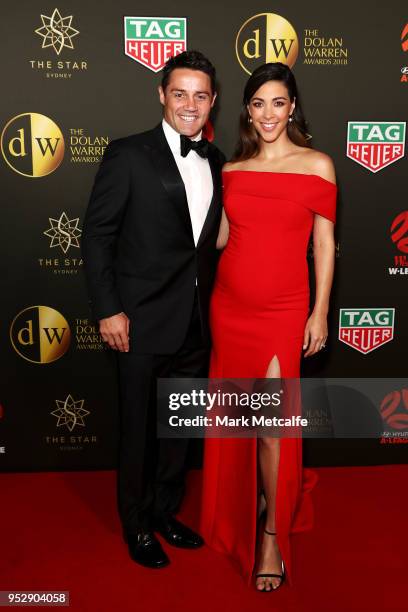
(138, 246)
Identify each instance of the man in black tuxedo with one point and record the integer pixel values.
(149, 253)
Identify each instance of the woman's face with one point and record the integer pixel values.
(269, 109)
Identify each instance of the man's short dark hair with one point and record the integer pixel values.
(194, 60)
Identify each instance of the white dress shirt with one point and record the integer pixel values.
(197, 178)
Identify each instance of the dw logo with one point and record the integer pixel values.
(32, 145)
(266, 38)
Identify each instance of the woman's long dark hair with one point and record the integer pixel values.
(248, 143)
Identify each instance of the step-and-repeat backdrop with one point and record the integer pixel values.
(75, 75)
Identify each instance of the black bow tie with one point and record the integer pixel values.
(199, 146)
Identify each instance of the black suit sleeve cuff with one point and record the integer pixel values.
(109, 308)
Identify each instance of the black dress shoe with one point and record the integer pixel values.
(145, 548)
(177, 534)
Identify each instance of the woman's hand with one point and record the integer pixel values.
(315, 334)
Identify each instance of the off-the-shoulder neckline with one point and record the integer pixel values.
(288, 173)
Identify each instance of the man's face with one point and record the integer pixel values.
(187, 100)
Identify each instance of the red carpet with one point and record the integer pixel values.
(60, 531)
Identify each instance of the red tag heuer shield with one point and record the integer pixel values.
(151, 41)
(365, 329)
(375, 144)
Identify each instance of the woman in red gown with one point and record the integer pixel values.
(278, 191)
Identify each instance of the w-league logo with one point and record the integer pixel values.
(399, 236)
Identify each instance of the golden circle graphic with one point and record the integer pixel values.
(266, 37)
(32, 145)
(40, 334)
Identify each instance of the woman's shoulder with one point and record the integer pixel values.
(239, 165)
(319, 163)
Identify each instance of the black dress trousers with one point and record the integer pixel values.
(151, 471)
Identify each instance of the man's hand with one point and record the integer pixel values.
(115, 331)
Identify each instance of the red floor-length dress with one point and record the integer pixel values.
(259, 309)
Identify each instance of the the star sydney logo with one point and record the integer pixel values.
(365, 329)
(70, 413)
(151, 41)
(375, 144)
(57, 32)
(64, 232)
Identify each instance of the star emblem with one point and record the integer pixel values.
(64, 232)
(57, 32)
(70, 413)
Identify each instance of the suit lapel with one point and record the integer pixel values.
(216, 198)
(168, 173)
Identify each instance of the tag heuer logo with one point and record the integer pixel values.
(365, 329)
(151, 41)
(375, 144)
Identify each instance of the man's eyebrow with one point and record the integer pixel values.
(184, 91)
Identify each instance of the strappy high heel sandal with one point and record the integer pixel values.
(281, 576)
